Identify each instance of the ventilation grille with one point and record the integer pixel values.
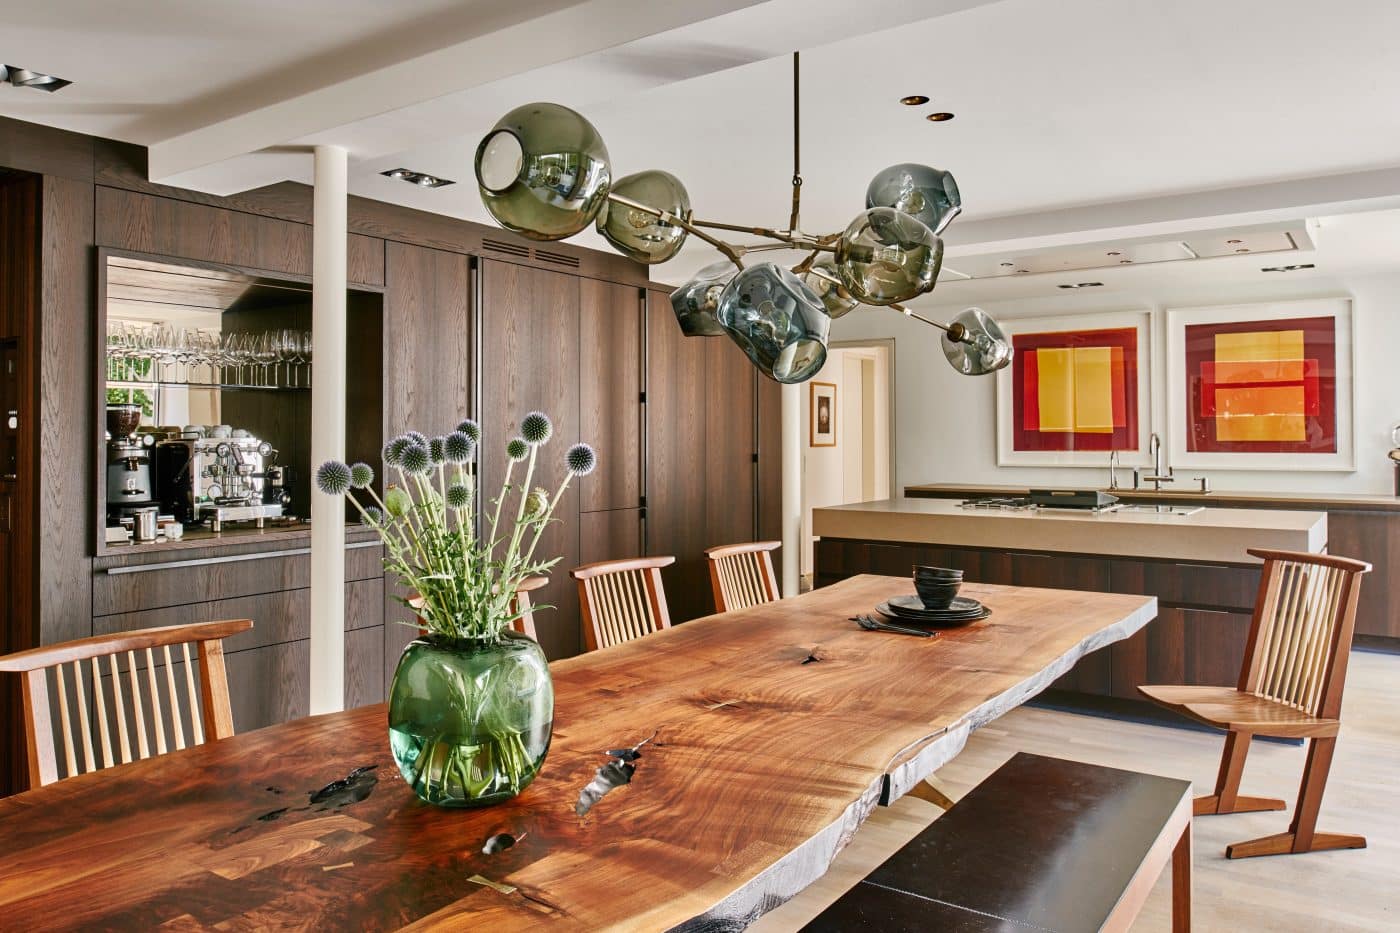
(559, 259)
(510, 249)
(523, 251)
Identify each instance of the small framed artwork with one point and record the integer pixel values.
(1076, 390)
(823, 429)
(1262, 386)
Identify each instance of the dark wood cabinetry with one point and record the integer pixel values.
(610, 393)
(530, 361)
(1373, 537)
(1198, 636)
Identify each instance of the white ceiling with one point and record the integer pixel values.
(1083, 119)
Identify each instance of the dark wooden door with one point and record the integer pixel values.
(428, 344)
(731, 443)
(610, 394)
(677, 457)
(530, 360)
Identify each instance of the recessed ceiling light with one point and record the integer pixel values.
(1293, 268)
(421, 179)
(1007, 265)
(1242, 249)
(1083, 285)
(1234, 242)
(1123, 262)
(23, 77)
(939, 117)
(1021, 270)
(1114, 252)
(913, 100)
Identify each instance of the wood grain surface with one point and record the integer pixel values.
(761, 769)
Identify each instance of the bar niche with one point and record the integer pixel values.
(205, 430)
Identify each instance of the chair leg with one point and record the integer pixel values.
(1226, 798)
(1301, 836)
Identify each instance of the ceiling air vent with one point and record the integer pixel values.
(559, 259)
(519, 250)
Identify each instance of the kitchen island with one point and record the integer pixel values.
(1195, 564)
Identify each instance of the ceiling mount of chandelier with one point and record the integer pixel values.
(544, 173)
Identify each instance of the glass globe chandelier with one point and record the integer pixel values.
(543, 172)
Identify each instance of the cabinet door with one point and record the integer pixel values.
(610, 393)
(530, 361)
(730, 403)
(428, 344)
(1215, 645)
(1094, 673)
(610, 535)
(1373, 537)
(676, 459)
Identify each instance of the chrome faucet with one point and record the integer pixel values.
(1113, 469)
(1154, 447)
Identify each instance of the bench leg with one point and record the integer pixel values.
(925, 790)
(1181, 883)
(1226, 798)
(1302, 835)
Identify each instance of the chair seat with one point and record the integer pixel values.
(1237, 711)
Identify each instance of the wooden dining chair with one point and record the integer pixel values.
(1295, 666)
(622, 599)
(206, 705)
(524, 623)
(741, 575)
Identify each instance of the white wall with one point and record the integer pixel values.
(833, 475)
(945, 422)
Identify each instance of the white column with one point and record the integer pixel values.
(329, 235)
(792, 489)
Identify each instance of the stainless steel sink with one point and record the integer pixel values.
(1161, 509)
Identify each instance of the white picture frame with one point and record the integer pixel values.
(1141, 321)
(1178, 319)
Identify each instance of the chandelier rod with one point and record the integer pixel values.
(796, 143)
(730, 252)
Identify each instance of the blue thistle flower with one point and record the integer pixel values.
(458, 447)
(581, 459)
(393, 451)
(436, 451)
(416, 459)
(333, 478)
(536, 428)
(417, 437)
(517, 449)
(373, 517)
(458, 496)
(361, 475)
(471, 429)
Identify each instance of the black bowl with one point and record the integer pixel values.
(937, 573)
(936, 595)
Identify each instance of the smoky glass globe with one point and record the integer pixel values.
(927, 193)
(639, 234)
(886, 256)
(777, 321)
(543, 172)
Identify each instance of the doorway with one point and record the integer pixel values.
(847, 413)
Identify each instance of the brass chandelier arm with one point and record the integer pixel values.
(796, 145)
(956, 332)
(730, 252)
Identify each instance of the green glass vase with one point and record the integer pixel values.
(470, 720)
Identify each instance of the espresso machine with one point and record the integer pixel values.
(220, 476)
(129, 485)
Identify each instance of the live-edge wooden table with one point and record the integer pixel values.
(778, 730)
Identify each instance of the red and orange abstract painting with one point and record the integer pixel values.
(1076, 390)
(1262, 386)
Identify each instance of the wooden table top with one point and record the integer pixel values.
(778, 729)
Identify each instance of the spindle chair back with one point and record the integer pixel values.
(115, 712)
(741, 575)
(622, 599)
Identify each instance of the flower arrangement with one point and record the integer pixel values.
(428, 522)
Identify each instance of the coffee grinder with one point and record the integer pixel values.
(129, 483)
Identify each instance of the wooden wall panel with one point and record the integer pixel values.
(730, 403)
(770, 461)
(529, 349)
(677, 457)
(32, 147)
(610, 387)
(1373, 537)
(170, 227)
(609, 535)
(428, 372)
(67, 393)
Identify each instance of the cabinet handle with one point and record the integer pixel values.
(229, 559)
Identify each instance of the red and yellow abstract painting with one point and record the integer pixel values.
(1262, 386)
(1076, 390)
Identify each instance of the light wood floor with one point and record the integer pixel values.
(1321, 891)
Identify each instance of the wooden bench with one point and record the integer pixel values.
(1041, 844)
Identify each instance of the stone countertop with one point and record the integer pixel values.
(1211, 535)
(1318, 501)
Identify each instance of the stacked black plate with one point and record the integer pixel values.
(961, 611)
